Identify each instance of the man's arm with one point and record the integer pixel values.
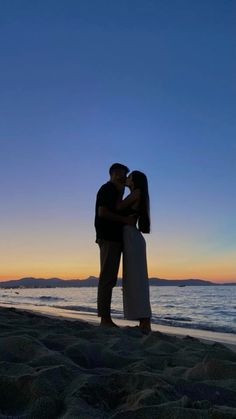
(103, 212)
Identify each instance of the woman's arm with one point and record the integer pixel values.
(129, 201)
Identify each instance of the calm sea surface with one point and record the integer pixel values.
(206, 308)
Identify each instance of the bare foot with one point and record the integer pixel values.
(145, 326)
(108, 323)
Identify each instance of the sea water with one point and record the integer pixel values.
(193, 307)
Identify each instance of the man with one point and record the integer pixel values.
(109, 225)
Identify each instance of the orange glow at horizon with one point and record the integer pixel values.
(76, 256)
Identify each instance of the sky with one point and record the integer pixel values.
(148, 83)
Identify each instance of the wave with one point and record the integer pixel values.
(49, 298)
(178, 319)
(46, 298)
(191, 325)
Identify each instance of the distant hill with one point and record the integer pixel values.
(49, 283)
(92, 281)
(179, 282)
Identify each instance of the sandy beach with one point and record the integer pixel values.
(58, 368)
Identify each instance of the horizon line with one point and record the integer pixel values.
(92, 276)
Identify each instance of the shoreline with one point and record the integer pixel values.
(227, 339)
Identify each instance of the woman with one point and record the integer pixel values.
(135, 276)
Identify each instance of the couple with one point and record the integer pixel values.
(116, 232)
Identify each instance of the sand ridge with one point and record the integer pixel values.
(52, 368)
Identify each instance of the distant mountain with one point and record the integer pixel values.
(179, 282)
(49, 283)
(92, 281)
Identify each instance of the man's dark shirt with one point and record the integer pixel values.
(107, 197)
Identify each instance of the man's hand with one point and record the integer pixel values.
(103, 212)
(131, 220)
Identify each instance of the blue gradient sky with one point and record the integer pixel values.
(147, 83)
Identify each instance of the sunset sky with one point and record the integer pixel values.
(148, 83)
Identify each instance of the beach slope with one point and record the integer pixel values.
(52, 368)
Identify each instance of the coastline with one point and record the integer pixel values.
(227, 339)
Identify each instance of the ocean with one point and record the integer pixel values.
(194, 307)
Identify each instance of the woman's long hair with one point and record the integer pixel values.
(140, 182)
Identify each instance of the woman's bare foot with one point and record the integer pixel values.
(145, 326)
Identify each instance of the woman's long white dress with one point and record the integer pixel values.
(136, 298)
